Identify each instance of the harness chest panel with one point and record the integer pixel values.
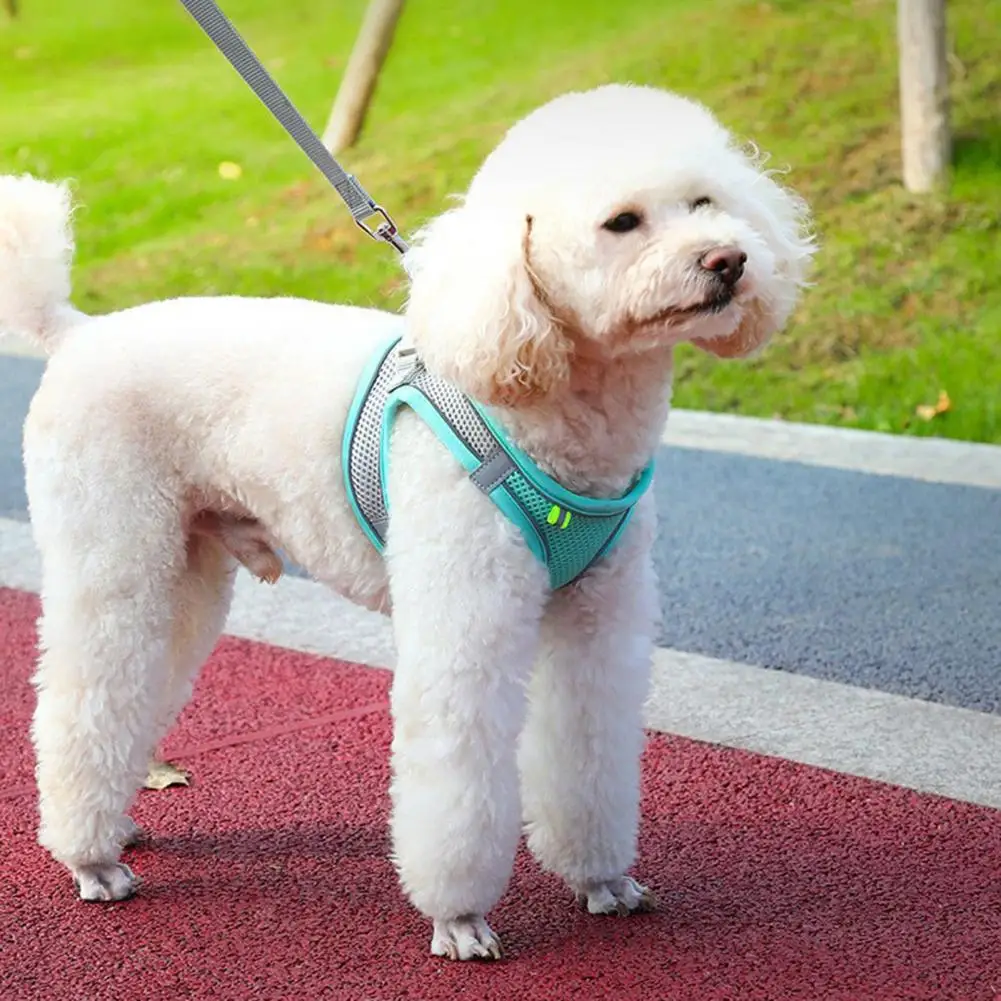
(567, 532)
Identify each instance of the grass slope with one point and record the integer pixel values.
(133, 102)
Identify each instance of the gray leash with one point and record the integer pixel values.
(362, 206)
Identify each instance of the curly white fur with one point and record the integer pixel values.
(168, 438)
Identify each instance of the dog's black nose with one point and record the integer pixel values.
(727, 263)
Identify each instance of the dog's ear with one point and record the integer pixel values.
(474, 312)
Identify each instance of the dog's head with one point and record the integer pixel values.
(612, 222)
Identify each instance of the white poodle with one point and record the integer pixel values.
(171, 440)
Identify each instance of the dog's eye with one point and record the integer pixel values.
(622, 223)
(701, 203)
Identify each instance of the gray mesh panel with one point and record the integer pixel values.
(363, 459)
(458, 411)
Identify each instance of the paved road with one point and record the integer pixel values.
(870, 580)
(878, 581)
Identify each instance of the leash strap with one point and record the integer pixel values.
(367, 214)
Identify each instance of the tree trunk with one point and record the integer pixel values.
(924, 92)
(361, 75)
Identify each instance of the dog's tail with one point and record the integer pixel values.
(36, 252)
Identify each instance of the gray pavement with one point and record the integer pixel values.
(869, 580)
(18, 381)
(877, 581)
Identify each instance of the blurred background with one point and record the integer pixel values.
(187, 186)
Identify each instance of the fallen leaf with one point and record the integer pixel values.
(230, 171)
(162, 774)
(929, 411)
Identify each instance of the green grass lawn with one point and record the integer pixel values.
(132, 102)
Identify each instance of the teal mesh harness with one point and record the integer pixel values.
(567, 532)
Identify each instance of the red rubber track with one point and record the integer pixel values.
(269, 877)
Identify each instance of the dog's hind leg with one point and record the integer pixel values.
(579, 754)
(201, 599)
(109, 570)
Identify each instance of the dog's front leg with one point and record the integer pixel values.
(467, 599)
(580, 752)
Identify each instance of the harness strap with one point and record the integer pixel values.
(566, 532)
(362, 206)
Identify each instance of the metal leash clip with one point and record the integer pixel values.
(385, 230)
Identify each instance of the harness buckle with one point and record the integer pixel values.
(408, 363)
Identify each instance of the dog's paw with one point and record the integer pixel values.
(113, 881)
(465, 938)
(620, 896)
